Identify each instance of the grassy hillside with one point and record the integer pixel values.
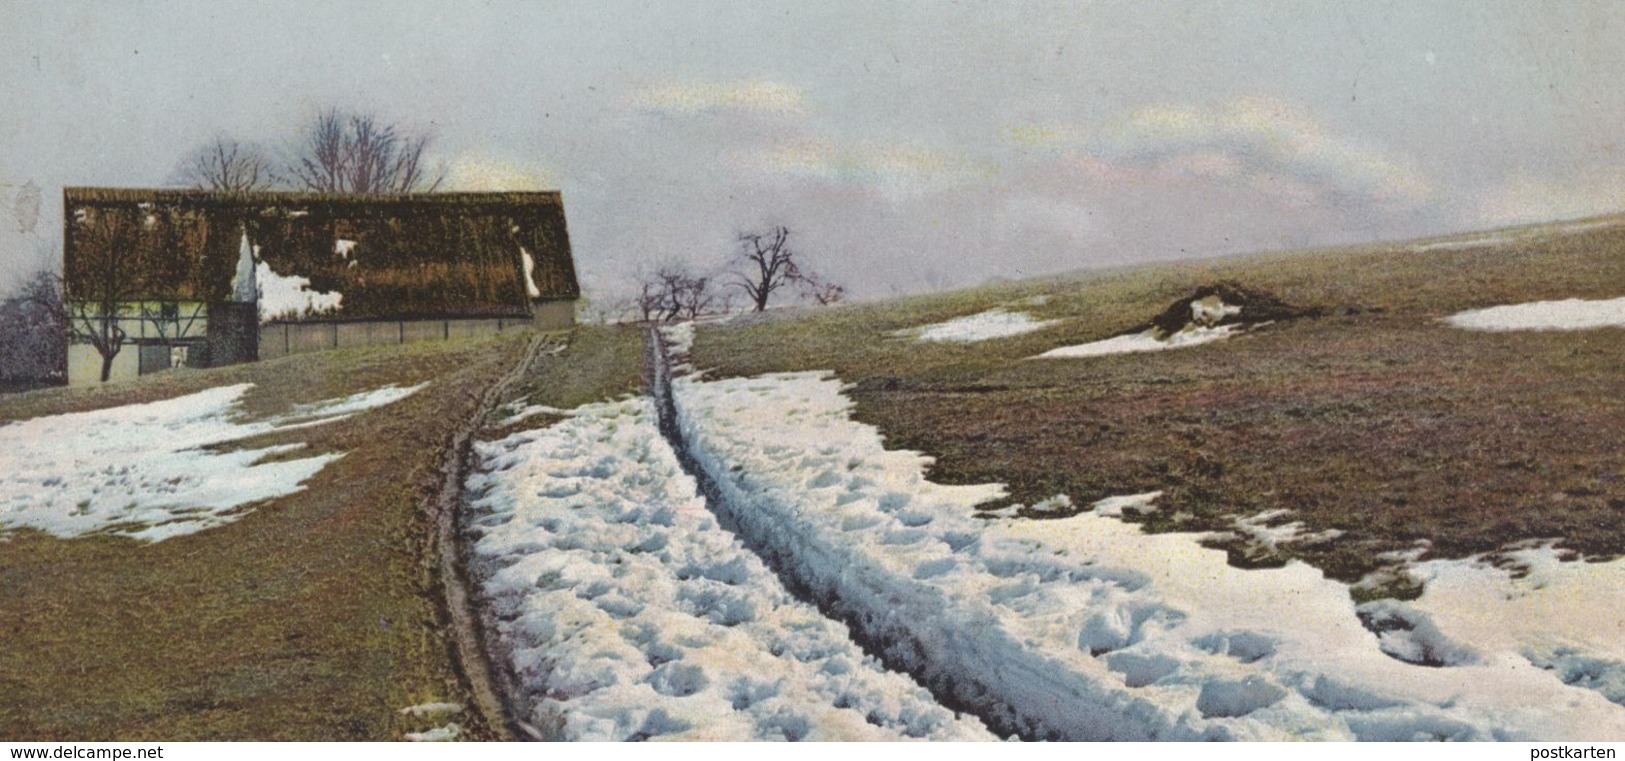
(312, 617)
(1373, 418)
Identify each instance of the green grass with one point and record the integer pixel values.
(310, 618)
(1375, 419)
(602, 362)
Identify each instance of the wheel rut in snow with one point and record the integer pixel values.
(657, 378)
(490, 683)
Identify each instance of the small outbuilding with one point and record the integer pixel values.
(156, 279)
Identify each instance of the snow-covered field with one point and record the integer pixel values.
(628, 613)
(151, 471)
(1569, 314)
(1085, 627)
(994, 323)
(1140, 342)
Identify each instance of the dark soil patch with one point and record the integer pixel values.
(1257, 306)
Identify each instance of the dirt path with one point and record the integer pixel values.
(491, 687)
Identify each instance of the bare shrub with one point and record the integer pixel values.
(33, 333)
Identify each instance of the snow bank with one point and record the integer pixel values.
(148, 471)
(994, 323)
(629, 614)
(679, 337)
(1570, 314)
(1084, 627)
(290, 296)
(679, 340)
(1150, 340)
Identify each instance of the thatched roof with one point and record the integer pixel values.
(427, 254)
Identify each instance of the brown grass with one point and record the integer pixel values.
(602, 362)
(312, 617)
(1374, 419)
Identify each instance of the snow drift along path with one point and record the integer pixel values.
(627, 613)
(1084, 628)
(149, 471)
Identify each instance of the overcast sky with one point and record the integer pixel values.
(909, 146)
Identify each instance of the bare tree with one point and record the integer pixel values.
(651, 300)
(695, 297)
(227, 165)
(769, 265)
(104, 277)
(343, 152)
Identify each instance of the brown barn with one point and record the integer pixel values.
(160, 278)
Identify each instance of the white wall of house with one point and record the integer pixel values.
(141, 322)
(85, 364)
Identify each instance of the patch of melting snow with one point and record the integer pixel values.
(302, 415)
(1150, 340)
(1113, 507)
(629, 613)
(529, 411)
(437, 708)
(289, 296)
(529, 264)
(148, 471)
(1085, 627)
(1463, 243)
(441, 734)
(1573, 228)
(1257, 529)
(983, 326)
(1569, 314)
